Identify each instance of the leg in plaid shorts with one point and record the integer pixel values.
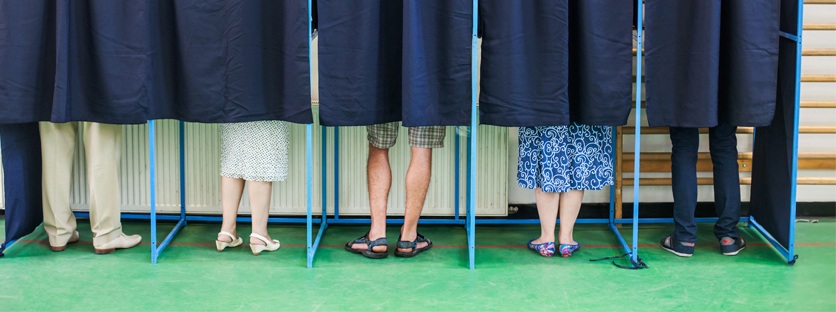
(384, 136)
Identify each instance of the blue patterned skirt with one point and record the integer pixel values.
(559, 159)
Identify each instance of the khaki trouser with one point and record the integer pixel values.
(102, 146)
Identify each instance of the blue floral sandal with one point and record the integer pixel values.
(545, 249)
(567, 250)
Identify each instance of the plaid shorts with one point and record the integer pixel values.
(384, 136)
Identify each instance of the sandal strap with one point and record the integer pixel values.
(421, 239)
(413, 244)
(405, 244)
(369, 243)
(374, 243)
(262, 238)
(231, 236)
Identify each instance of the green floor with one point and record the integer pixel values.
(193, 276)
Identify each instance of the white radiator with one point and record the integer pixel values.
(203, 166)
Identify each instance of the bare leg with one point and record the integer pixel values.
(547, 208)
(570, 206)
(231, 191)
(417, 183)
(260, 193)
(380, 180)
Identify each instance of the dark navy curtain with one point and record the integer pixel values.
(73, 60)
(711, 61)
(772, 160)
(600, 61)
(748, 62)
(437, 57)
(124, 62)
(20, 146)
(27, 56)
(360, 53)
(230, 60)
(524, 67)
(384, 61)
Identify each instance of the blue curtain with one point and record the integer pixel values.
(125, 62)
(230, 60)
(360, 53)
(711, 61)
(72, 60)
(384, 61)
(600, 62)
(21, 149)
(524, 71)
(436, 62)
(547, 63)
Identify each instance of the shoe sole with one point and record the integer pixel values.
(684, 255)
(734, 253)
(58, 248)
(401, 254)
(368, 254)
(104, 251)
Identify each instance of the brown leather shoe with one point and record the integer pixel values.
(73, 239)
(121, 242)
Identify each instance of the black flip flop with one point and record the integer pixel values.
(413, 245)
(368, 253)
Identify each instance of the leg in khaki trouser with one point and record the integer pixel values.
(102, 145)
(57, 148)
(103, 148)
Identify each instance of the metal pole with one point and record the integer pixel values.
(637, 152)
(153, 185)
(612, 188)
(183, 172)
(796, 109)
(309, 151)
(474, 123)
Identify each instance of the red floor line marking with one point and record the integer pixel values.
(442, 246)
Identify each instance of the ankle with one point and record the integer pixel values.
(409, 236)
(544, 239)
(377, 233)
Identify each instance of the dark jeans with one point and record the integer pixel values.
(723, 146)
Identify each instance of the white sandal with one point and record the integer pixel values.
(270, 246)
(234, 243)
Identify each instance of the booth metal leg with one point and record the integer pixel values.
(474, 124)
(156, 250)
(634, 253)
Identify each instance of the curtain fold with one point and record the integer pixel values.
(360, 53)
(20, 147)
(524, 64)
(436, 62)
(230, 61)
(600, 62)
(711, 61)
(125, 62)
(385, 61)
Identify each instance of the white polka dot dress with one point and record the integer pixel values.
(255, 151)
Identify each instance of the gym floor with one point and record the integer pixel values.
(192, 275)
